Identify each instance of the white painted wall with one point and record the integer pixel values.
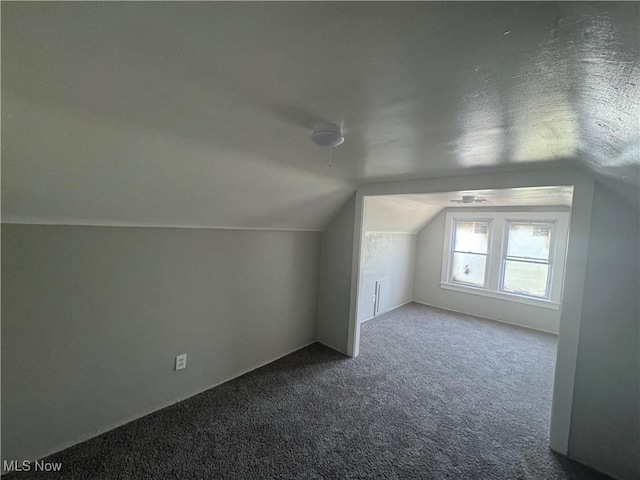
(92, 318)
(386, 256)
(605, 424)
(427, 289)
(92, 169)
(336, 255)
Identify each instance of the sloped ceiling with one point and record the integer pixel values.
(199, 114)
(411, 213)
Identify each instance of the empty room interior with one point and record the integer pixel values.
(320, 240)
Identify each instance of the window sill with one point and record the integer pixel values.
(501, 296)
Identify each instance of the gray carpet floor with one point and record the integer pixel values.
(433, 395)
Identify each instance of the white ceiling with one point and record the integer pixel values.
(199, 113)
(411, 213)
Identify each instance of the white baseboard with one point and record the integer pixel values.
(529, 327)
(332, 347)
(84, 438)
(397, 306)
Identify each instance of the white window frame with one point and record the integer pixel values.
(496, 253)
(549, 261)
(452, 250)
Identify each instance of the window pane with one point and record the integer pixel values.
(529, 240)
(468, 268)
(471, 237)
(526, 278)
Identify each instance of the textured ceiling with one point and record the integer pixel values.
(410, 213)
(199, 113)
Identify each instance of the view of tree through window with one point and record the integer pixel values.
(527, 259)
(471, 241)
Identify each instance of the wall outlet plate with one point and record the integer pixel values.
(181, 361)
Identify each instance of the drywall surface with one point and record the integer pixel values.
(427, 288)
(389, 256)
(335, 279)
(605, 416)
(131, 112)
(93, 317)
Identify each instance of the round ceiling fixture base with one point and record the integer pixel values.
(328, 137)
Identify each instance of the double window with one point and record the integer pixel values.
(517, 256)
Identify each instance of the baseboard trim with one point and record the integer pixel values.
(397, 306)
(528, 327)
(332, 347)
(615, 477)
(84, 438)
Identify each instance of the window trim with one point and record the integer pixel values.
(510, 297)
(495, 257)
(550, 260)
(452, 250)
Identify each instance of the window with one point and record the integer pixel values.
(527, 262)
(470, 249)
(516, 256)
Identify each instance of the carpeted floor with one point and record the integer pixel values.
(433, 395)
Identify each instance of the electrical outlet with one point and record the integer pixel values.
(181, 361)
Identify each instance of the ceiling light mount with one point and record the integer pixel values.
(328, 136)
(467, 199)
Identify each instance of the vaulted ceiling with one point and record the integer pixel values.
(410, 213)
(199, 113)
